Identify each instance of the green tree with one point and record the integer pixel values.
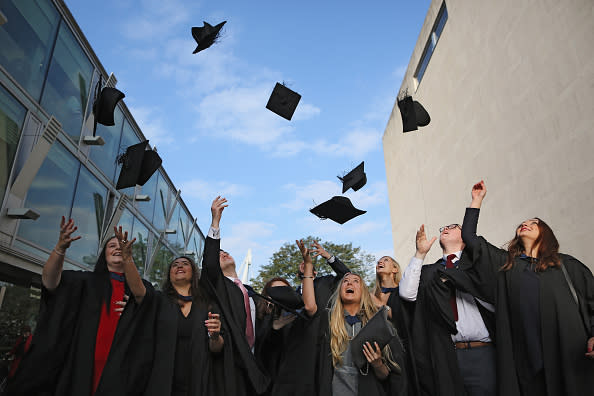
(285, 262)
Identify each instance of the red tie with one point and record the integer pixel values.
(249, 328)
(450, 264)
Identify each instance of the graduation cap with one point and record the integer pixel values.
(413, 114)
(283, 101)
(286, 295)
(340, 209)
(289, 306)
(106, 99)
(206, 35)
(377, 329)
(355, 179)
(138, 165)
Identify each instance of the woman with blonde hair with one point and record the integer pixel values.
(351, 309)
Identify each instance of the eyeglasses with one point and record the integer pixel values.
(449, 227)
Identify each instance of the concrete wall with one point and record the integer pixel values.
(510, 92)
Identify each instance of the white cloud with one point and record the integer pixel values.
(355, 144)
(204, 190)
(305, 111)
(311, 194)
(154, 20)
(151, 123)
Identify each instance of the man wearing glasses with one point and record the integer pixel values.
(451, 329)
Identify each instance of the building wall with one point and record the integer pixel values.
(510, 92)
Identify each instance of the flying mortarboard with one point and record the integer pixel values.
(206, 35)
(289, 306)
(138, 165)
(287, 296)
(340, 209)
(106, 99)
(413, 114)
(283, 101)
(355, 179)
(377, 329)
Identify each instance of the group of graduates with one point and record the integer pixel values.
(480, 321)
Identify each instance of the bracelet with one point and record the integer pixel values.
(58, 253)
(307, 276)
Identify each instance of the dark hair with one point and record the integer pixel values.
(548, 249)
(195, 289)
(262, 308)
(102, 272)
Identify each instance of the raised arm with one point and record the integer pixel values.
(409, 284)
(309, 294)
(471, 240)
(133, 278)
(211, 266)
(338, 266)
(52, 270)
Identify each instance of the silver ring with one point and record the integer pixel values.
(124, 241)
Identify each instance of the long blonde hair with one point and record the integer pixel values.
(339, 338)
(377, 291)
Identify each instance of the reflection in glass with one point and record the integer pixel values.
(12, 116)
(129, 138)
(105, 156)
(174, 225)
(140, 232)
(147, 208)
(19, 308)
(68, 83)
(158, 271)
(161, 198)
(51, 195)
(88, 212)
(26, 41)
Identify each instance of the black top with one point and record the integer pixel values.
(183, 355)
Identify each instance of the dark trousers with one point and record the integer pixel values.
(478, 370)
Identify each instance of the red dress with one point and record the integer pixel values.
(108, 322)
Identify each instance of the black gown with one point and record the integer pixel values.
(243, 375)
(60, 360)
(564, 328)
(183, 363)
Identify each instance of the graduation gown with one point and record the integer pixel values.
(565, 327)
(199, 368)
(402, 313)
(246, 377)
(61, 358)
(433, 326)
(368, 385)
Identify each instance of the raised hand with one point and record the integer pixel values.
(216, 209)
(125, 244)
(66, 238)
(479, 190)
(318, 250)
(304, 252)
(422, 244)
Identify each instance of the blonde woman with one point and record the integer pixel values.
(351, 308)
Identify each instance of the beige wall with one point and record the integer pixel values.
(510, 92)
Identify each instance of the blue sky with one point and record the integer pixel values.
(206, 112)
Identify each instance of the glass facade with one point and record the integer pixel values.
(44, 64)
(12, 117)
(440, 22)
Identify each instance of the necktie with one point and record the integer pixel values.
(450, 264)
(249, 328)
(388, 289)
(352, 319)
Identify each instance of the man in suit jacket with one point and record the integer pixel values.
(452, 330)
(220, 278)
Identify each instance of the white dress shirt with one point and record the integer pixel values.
(470, 323)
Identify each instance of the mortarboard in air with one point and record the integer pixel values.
(280, 303)
(377, 329)
(283, 101)
(104, 105)
(206, 35)
(413, 114)
(138, 165)
(355, 179)
(340, 209)
(287, 296)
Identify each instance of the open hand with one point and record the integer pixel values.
(125, 244)
(373, 356)
(422, 244)
(304, 252)
(216, 210)
(318, 250)
(66, 238)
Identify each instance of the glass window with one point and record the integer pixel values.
(438, 26)
(51, 195)
(126, 221)
(129, 138)
(26, 41)
(197, 245)
(174, 225)
(183, 229)
(158, 271)
(105, 156)
(12, 116)
(161, 203)
(18, 309)
(139, 249)
(147, 208)
(88, 212)
(68, 83)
